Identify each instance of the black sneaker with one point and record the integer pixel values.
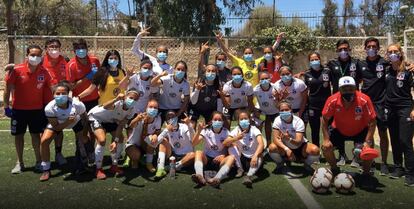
(280, 168)
(384, 170)
(409, 180)
(367, 182)
(397, 173)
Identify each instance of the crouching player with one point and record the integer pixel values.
(214, 154)
(62, 112)
(147, 127)
(102, 118)
(289, 141)
(176, 141)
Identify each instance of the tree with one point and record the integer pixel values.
(330, 20)
(376, 16)
(347, 15)
(259, 19)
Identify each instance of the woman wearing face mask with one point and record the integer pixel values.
(61, 113)
(319, 89)
(119, 111)
(223, 73)
(214, 155)
(289, 141)
(176, 140)
(159, 62)
(238, 94)
(173, 88)
(144, 138)
(249, 142)
(293, 90)
(267, 102)
(400, 110)
(271, 63)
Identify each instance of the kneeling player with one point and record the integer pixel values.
(62, 112)
(214, 154)
(177, 141)
(288, 140)
(119, 111)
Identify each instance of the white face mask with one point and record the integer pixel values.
(35, 60)
(54, 53)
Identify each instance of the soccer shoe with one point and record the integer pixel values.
(160, 174)
(100, 175)
(45, 176)
(355, 163)
(368, 182)
(150, 167)
(18, 168)
(198, 179)
(342, 160)
(280, 168)
(247, 181)
(117, 171)
(409, 180)
(38, 167)
(60, 159)
(214, 182)
(126, 162)
(384, 170)
(239, 173)
(397, 173)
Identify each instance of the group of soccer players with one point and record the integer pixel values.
(159, 110)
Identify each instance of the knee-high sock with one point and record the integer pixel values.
(99, 152)
(161, 160)
(222, 172)
(198, 167)
(233, 151)
(311, 159)
(252, 170)
(276, 157)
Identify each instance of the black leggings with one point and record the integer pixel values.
(315, 125)
(401, 131)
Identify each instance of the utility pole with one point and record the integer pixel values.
(96, 16)
(273, 15)
(9, 16)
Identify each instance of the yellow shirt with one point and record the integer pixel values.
(112, 88)
(250, 71)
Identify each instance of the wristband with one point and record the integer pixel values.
(286, 149)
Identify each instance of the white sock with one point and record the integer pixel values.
(276, 157)
(119, 149)
(149, 158)
(99, 152)
(311, 159)
(179, 165)
(233, 151)
(222, 172)
(252, 170)
(161, 160)
(45, 165)
(198, 167)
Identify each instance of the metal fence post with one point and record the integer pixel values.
(123, 50)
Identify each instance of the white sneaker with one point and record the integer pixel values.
(60, 159)
(18, 168)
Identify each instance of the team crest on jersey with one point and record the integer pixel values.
(293, 91)
(400, 84)
(379, 68)
(245, 147)
(40, 78)
(147, 88)
(243, 93)
(207, 99)
(177, 145)
(401, 76)
(380, 74)
(358, 110)
(249, 74)
(116, 91)
(173, 94)
(353, 67)
(364, 68)
(181, 90)
(237, 100)
(265, 104)
(325, 77)
(214, 147)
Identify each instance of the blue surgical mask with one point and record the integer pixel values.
(152, 112)
(162, 56)
(210, 76)
(244, 124)
(129, 103)
(81, 53)
(268, 56)
(248, 57)
(220, 64)
(61, 99)
(173, 121)
(179, 74)
(343, 54)
(286, 78)
(285, 115)
(216, 124)
(113, 63)
(265, 82)
(237, 78)
(144, 72)
(394, 57)
(372, 52)
(315, 64)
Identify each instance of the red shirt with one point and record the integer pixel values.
(58, 72)
(76, 71)
(272, 69)
(28, 87)
(349, 121)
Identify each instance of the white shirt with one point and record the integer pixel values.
(145, 90)
(295, 91)
(102, 115)
(179, 139)
(75, 108)
(153, 127)
(265, 100)
(297, 126)
(213, 142)
(172, 92)
(238, 96)
(248, 145)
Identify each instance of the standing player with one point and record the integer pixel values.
(223, 73)
(27, 82)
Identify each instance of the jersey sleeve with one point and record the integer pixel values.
(80, 108)
(255, 131)
(302, 86)
(163, 134)
(70, 72)
(249, 89)
(234, 132)
(370, 109)
(226, 89)
(328, 109)
(10, 77)
(49, 110)
(277, 123)
(299, 125)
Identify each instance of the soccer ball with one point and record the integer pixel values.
(344, 183)
(321, 181)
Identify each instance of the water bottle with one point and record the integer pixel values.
(357, 150)
(172, 167)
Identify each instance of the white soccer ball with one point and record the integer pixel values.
(323, 172)
(344, 183)
(320, 183)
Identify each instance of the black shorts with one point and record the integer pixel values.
(381, 116)
(90, 104)
(231, 111)
(108, 127)
(35, 119)
(338, 140)
(195, 115)
(245, 161)
(77, 128)
(211, 165)
(298, 152)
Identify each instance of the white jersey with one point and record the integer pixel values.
(297, 126)
(145, 90)
(266, 100)
(135, 137)
(295, 91)
(171, 93)
(179, 139)
(75, 108)
(238, 96)
(102, 115)
(248, 145)
(213, 142)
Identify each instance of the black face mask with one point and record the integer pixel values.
(348, 97)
